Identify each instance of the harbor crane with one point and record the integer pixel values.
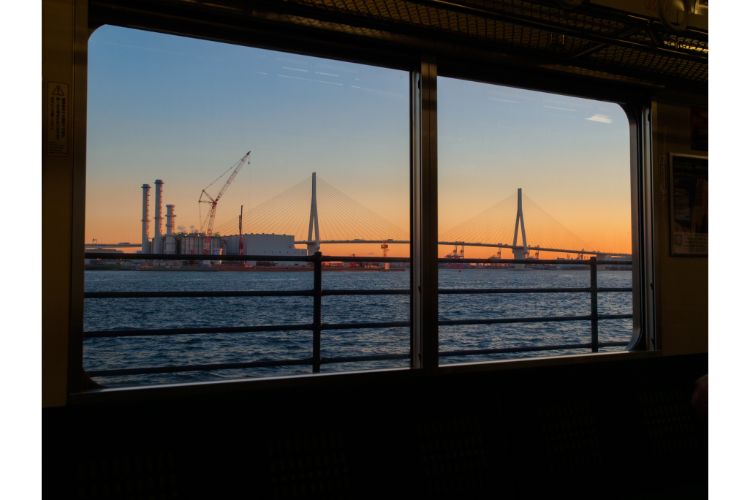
(207, 226)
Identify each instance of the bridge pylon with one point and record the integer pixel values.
(313, 245)
(520, 252)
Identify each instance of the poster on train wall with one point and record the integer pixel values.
(688, 193)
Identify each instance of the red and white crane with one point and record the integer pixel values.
(207, 225)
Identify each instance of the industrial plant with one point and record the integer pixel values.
(170, 242)
(205, 242)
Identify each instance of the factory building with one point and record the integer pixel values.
(263, 244)
(254, 244)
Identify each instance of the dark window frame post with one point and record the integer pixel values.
(424, 186)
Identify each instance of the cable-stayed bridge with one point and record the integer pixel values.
(316, 213)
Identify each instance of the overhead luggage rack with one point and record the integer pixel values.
(588, 40)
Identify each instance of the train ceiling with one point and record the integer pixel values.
(579, 38)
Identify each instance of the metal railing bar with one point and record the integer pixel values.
(510, 350)
(197, 257)
(492, 321)
(333, 258)
(372, 357)
(194, 368)
(238, 258)
(365, 292)
(579, 262)
(334, 326)
(194, 331)
(354, 326)
(217, 293)
(242, 365)
(332, 360)
(310, 293)
(462, 291)
(613, 344)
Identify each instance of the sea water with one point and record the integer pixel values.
(204, 349)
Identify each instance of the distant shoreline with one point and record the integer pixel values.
(238, 269)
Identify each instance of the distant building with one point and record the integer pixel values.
(263, 244)
(254, 244)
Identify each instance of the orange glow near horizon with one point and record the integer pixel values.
(116, 218)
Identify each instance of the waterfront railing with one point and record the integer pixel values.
(316, 326)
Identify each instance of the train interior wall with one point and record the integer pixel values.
(681, 283)
(648, 397)
(58, 194)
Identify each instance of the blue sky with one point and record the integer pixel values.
(570, 155)
(183, 110)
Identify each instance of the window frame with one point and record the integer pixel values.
(424, 69)
(636, 104)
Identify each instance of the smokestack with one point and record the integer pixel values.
(157, 216)
(170, 220)
(144, 220)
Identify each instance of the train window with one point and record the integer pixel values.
(247, 212)
(534, 224)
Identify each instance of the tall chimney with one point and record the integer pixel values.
(170, 220)
(157, 217)
(144, 220)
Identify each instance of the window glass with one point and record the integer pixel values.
(536, 184)
(171, 121)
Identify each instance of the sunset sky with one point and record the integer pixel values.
(184, 110)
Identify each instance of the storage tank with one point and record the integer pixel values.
(190, 244)
(170, 244)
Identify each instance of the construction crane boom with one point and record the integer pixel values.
(205, 197)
